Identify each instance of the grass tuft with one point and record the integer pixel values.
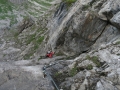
(39, 41)
(89, 67)
(30, 39)
(69, 2)
(73, 71)
(94, 59)
(117, 43)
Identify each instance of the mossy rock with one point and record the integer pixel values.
(69, 2)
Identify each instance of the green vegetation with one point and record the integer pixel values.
(45, 4)
(42, 3)
(70, 57)
(60, 77)
(33, 39)
(59, 53)
(26, 5)
(30, 39)
(15, 33)
(73, 71)
(49, 0)
(89, 67)
(31, 52)
(3, 1)
(13, 20)
(36, 42)
(76, 69)
(40, 39)
(37, 8)
(94, 59)
(117, 43)
(43, 9)
(4, 55)
(35, 13)
(69, 1)
(27, 56)
(57, 74)
(6, 8)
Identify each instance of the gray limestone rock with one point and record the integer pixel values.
(72, 30)
(115, 20)
(21, 76)
(105, 85)
(108, 36)
(110, 8)
(82, 33)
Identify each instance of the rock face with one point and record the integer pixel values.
(25, 24)
(78, 31)
(95, 25)
(110, 34)
(96, 70)
(110, 8)
(86, 31)
(21, 75)
(115, 20)
(80, 28)
(83, 33)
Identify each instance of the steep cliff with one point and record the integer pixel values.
(81, 25)
(87, 26)
(84, 34)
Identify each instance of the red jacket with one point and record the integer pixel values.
(50, 55)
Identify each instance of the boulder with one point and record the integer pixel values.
(115, 20)
(105, 85)
(84, 30)
(109, 8)
(108, 36)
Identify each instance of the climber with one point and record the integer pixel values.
(49, 54)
